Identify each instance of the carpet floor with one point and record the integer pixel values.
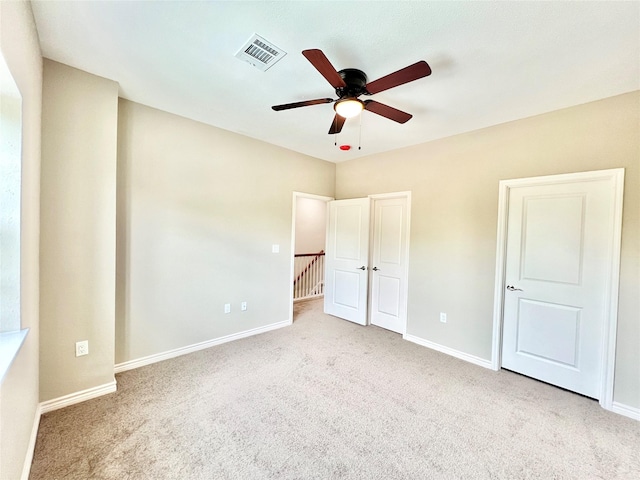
(328, 399)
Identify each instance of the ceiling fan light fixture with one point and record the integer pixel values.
(348, 107)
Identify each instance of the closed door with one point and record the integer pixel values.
(558, 261)
(389, 264)
(346, 259)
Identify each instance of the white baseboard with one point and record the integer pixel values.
(619, 408)
(449, 351)
(78, 397)
(159, 357)
(626, 410)
(31, 448)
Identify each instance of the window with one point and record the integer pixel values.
(11, 337)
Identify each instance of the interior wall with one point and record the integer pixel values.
(454, 184)
(78, 219)
(311, 225)
(199, 209)
(19, 390)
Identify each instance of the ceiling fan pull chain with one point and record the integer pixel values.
(360, 134)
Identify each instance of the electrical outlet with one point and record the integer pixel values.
(443, 317)
(243, 306)
(227, 308)
(275, 248)
(82, 348)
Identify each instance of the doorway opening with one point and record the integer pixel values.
(308, 243)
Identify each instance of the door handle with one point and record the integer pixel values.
(362, 268)
(375, 269)
(513, 289)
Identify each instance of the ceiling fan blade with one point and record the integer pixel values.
(405, 75)
(387, 111)
(323, 65)
(306, 103)
(337, 124)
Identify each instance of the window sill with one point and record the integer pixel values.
(10, 343)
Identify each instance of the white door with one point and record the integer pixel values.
(346, 260)
(558, 262)
(389, 264)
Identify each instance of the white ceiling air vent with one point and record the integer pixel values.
(260, 53)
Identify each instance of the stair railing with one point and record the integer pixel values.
(308, 269)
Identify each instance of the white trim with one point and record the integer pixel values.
(481, 362)
(31, 447)
(386, 196)
(159, 357)
(498, 292)
(312, 196)
(78, 397)
(297, 195)
(10, 345)
(626, 410)
(609, 335)
(616, 175)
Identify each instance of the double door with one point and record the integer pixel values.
(367, 261)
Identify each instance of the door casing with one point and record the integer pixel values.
(616, 178)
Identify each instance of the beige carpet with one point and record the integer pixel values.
(328, 399)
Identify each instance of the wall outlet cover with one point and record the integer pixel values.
(82, 348)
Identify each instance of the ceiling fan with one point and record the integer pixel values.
(350, 83)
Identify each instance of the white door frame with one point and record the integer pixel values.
(297, 195)
(405, 279)
(616, 176)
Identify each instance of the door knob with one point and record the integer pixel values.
(375, 269)
(513, 289)
(362, 268)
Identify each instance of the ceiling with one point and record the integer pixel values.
(492, 62)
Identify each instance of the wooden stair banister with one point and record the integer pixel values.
(303, 287)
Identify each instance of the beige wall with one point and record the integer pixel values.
(78, 219)
(311, 225)
(19, 391)
(199, 209)
(454, 184)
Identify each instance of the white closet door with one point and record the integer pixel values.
(389, 264)
(346, 260)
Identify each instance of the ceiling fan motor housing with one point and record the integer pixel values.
(356, 81)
